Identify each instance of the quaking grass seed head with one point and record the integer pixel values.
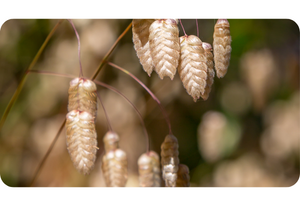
(193, 66)
(149, 170)
(183, 176)
(114, 168)
(222, 46)
(83, 96)
(169, 160)
(81, 140)
(164, 46)
(140, 38)
(111, 141)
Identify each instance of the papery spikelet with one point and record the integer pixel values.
(210, 69)
(111, 141)
(222, 47)
(81, 140)
(192, 67)
(149, 170)
(164, 46)
(114, 167)
(183, 176)
(83, 96)
(140, 35)
(169, 160)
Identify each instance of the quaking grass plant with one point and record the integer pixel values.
(159, 48)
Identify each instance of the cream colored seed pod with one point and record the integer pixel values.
(169, 160)
(222, 47)
(164, 46)
(193, 66)
(81, 140)
(114, 167)
(183, 176)
(149, 172)
(83, 96)
(111, 141)
(140, 35)
(210, 69)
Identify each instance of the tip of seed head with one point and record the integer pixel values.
(222, 21)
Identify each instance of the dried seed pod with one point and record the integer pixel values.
(164, 46)
(81, 140)
(140, 35)
(149, 171)
(210, 69)
(222, 47)
(192, 67)
(183, 177)
(83, 96)
(169, 160)
(111, 141)
(114, 167)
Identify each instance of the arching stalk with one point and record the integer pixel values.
(149, 91)
(23, 79)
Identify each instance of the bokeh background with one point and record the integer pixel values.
(246, 134)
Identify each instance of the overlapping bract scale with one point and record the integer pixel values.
(193, 66)
(169, 160)
(164, 47)
(81, 140)
(140, 35)
(222, 47)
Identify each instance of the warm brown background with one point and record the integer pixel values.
(250, 139)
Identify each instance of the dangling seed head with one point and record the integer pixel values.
(183, 177)
(81, 140)
(114, 167)
(140, 35)
(164, 46)
(170, 160)
(222, 47)
(193, 66)
(149, 170)
(83, 96)
(111, 141)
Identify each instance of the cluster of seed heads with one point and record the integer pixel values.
(160, 48)
(80, 124)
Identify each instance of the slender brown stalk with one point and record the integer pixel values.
(182, 27)
(149, 91)
(197, 28)
(110, 51)
(20, 86)
(50, 73)
(104, 110)
(135, 108)
(47, 154)
(78, 40)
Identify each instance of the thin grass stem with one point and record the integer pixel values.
(149, 91)
(78, 39)
(110, 51)
(135, 108)
(23, 79)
